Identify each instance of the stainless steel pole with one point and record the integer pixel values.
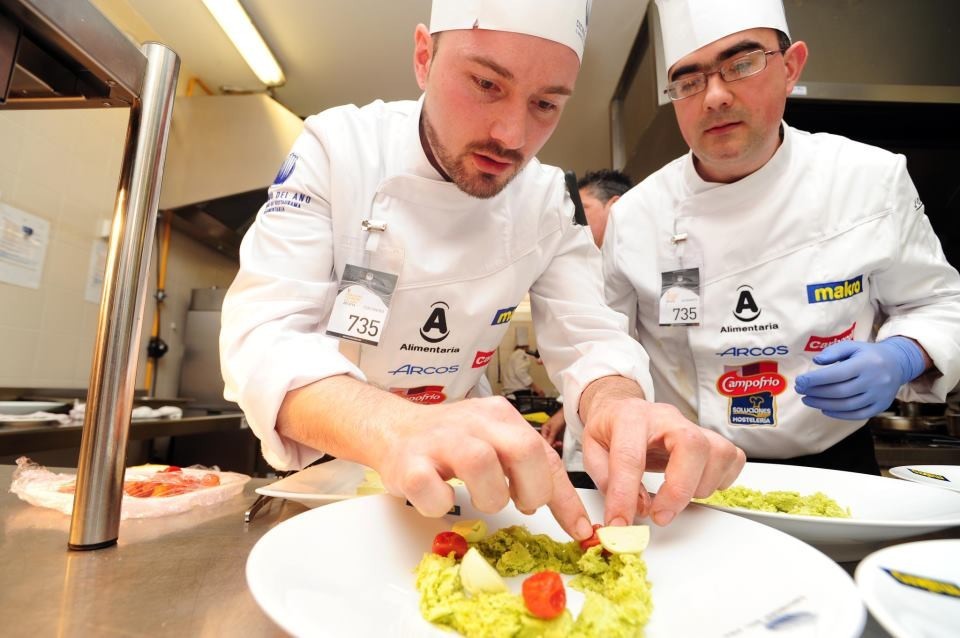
(96, 504)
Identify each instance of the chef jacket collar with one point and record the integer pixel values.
(775, 166)
(415, 160)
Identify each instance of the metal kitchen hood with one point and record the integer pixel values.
(223, 154)
(56, 54)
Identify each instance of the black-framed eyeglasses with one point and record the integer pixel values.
(737, 68)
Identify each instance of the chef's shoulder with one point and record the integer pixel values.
(540, 190)
(852, 166)
(653, 199)
(374, 126)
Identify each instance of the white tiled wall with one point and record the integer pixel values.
(63, 166)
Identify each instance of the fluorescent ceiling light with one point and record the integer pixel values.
(237, 25)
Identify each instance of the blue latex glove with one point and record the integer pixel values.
(860, 379)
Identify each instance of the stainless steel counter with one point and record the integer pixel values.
(174, 576)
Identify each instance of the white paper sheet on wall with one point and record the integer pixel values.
(96, 270)
(23, 246)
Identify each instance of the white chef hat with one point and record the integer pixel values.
(687, 25)
(563, 21)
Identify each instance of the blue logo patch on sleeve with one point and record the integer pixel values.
(286, 169)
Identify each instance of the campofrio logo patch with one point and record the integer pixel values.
(426, 394)
(752, 390)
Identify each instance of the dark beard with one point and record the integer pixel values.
(481, 185)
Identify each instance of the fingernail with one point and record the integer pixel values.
(663, 517)
(583, 528)
(617, 521)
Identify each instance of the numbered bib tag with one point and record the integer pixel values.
(680, 297)
(362, 305)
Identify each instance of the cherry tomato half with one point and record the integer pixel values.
(446, 542)
(170, 468)
(544, 595)
(587, 543)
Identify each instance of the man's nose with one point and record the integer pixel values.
(717, 95)
(510, 126)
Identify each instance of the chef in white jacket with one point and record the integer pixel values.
(379, 278)
(786, 285)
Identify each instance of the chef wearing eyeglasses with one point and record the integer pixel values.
(786, 285)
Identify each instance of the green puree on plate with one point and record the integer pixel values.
(817, 504)
(617, 594)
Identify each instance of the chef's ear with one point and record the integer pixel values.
(794, 59)
(423, 50)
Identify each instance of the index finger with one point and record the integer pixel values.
(565, 504)
(627, 459)
(689, 452)
(832, 373)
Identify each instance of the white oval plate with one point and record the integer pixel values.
(346, 569)
(945, 476)
(334, 480)
(882, 509)
(28, 407)
(913, 589)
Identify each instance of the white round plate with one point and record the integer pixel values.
(882, 509)
(334, 480)
(346, 569)
(945, 476)
(28, 407)
(913, 589)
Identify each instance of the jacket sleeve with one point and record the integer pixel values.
(580, 338)
(920, 293)
(272, 336)
(618, 289)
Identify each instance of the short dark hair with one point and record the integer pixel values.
(605, 183)
(783, 40)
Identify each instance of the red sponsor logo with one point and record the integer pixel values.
(482, 358)
(818, 344)
(426, 395)
(742, 381)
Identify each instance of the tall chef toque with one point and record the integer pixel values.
(687, 25)
(563, 21)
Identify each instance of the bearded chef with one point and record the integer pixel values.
(411, 230)
(786, 285)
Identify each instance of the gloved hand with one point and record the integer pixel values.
(860, 379)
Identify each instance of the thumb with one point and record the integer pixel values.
(837, 352)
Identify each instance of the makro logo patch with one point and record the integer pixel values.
(502, 316)
(410, 369)
(834, 290)
(817, 343)
(757, 351)
(482, 358)
(752, 390)
(426, 395)
(942, 587)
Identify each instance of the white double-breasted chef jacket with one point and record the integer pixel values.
(466, 264)
(828, 241)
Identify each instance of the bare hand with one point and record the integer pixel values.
(552, 430)
(625, 436)
(490, 447)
